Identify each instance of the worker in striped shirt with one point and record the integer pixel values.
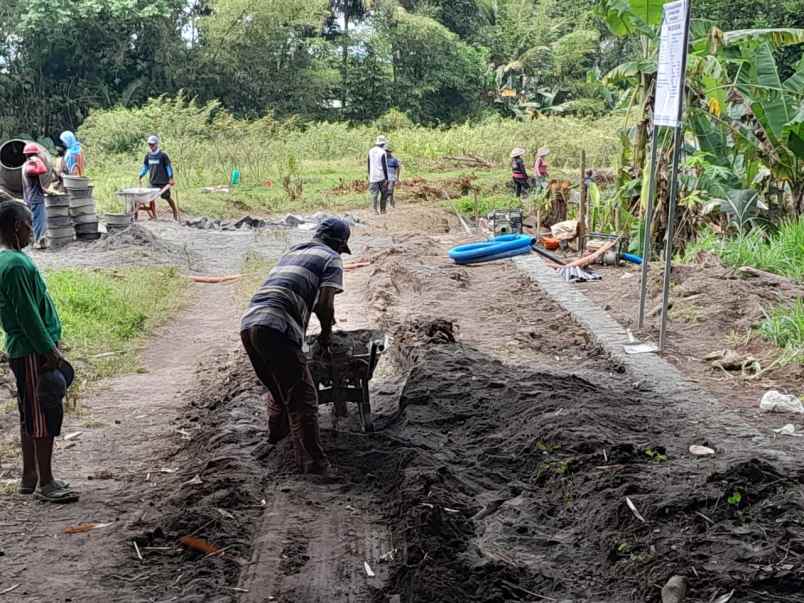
(305, 280)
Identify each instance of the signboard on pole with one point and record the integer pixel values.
(670, 76)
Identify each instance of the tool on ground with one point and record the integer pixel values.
(342, 375)
(550, 256)
(618, 253)
(506, 221)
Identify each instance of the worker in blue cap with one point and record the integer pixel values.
(305, 280)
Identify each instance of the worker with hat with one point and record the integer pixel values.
(159, 169)
(518, 172)
(394, 175)
(540, 168)
(273, 329)
(378, 174)
(35, 180)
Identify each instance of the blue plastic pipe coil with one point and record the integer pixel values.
(504, 246)
(630, 257)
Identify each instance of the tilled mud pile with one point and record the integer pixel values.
(500, 483)
(503, 482)
(215, 495)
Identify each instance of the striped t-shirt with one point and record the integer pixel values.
(288, 296)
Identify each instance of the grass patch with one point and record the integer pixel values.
(105, 312)
(781, 252)
(784, 326)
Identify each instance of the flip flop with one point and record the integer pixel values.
(54, 493)
(28, 490)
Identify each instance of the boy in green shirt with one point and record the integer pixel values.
(33, 331)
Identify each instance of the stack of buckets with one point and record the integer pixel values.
(60, 229)
(82, 208)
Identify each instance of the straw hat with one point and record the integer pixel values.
(542, 152)
(518, 152)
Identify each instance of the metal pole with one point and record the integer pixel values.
(678, 140)
(648, 217)
(582, 208)
(668, 247)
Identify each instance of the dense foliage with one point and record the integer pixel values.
(438, 62)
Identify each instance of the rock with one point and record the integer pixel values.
(701, 450)
(775, 401)
(293, 221)
(788, 429)
(717, 355)
(733, 361)
(319, 217)
(675, 591)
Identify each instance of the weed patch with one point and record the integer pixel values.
(781, 252)
(784, 326)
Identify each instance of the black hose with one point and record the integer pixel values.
(550, 256)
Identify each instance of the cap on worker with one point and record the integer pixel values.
(153, 139)
(518, 152)
(335, 231)
(31, 148)
(381, 141)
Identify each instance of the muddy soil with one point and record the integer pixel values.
(713, 308)
(510, 444)
(507, 484)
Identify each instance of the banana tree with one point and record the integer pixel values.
(744, 114)
(640, 19)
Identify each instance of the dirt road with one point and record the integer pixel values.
(116, 461)
(510, 448)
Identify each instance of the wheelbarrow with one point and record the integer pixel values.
(138, 197)
(343, 375)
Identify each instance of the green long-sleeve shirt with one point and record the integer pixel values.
(27, 313)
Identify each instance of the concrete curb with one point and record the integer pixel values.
(607, 332)
(650, 368)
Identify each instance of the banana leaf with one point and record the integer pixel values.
(740, 205)
(778, 37)
(767, 73)
(711, 136)
(794, 132)
(795, 83)
(648, 11)
(629, 70)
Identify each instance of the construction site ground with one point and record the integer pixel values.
(514, 458)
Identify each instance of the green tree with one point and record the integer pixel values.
(61, 58)
(266, 56)
(437, 77)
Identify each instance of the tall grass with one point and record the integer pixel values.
(781, 252)
(206, 144)
(784, 326)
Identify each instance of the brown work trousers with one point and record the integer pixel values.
(292, 399)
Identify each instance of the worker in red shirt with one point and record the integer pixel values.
(34, 183)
